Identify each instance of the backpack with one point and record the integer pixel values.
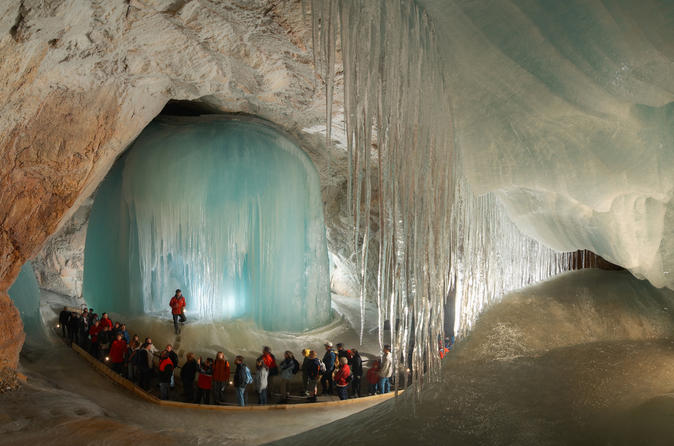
(248, 377)
(321, 367)
(296, 366)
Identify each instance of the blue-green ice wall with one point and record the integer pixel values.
(229, 211)
(25, 294)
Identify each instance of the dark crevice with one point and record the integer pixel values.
(14, 31)
(189, 108)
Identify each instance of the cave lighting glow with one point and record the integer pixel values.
(229, 211)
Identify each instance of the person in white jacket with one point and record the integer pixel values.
(386, 370)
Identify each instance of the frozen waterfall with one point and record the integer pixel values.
(435, 242)
(227, 210)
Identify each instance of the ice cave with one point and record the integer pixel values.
(227, 210)
(468, 200)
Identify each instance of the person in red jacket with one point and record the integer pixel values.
(373, 378)
(117, 350)
(105, 321)
(93, 334)
(205, 382)
(342, 378)
(177, 305)
(221, 371)
(165, 374)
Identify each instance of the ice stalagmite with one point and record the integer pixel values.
(228, 211)
(434, 241)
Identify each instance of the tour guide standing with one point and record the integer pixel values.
(178, 309)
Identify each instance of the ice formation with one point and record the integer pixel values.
(26, 296)
(435, 241)
(227, 210)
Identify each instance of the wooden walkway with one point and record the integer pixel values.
(103, 369)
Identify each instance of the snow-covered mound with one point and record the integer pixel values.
(581, 359)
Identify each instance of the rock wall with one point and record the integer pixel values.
(59, 266)
(80, 80)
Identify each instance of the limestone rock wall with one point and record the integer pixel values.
(80, 79)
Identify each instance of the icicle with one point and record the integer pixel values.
(435, 240)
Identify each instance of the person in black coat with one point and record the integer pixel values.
(187, 375)
(142, 358)
(64, 319)
(356, 371)
(73, 325)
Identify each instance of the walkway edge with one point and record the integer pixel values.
(108, 372)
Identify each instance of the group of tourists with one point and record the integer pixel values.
(205, 381)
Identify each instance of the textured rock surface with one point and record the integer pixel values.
(59, 265)
(80, 80)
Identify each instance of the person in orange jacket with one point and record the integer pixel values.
(177, 305)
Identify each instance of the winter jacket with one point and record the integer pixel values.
(93, 332)
(386, 369)
(357, 365)
(177, 304)
(105, 322)
(189, 371)
(205, 380)
(260, 379)
(270, 361)
(373, 375)
(173, 357)
(117, 350)
(342, 376)
(221, 370)
(329, 360)
(240, 376)
(313, 368)
(141, 358)
(165, 370)
(125, 335)
(64, 317)
(287, 367)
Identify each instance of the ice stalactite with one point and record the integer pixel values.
(491, 257)
(229, 211)
(412, 209)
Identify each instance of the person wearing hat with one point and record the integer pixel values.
(329, 361)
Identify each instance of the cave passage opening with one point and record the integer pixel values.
(226, 208)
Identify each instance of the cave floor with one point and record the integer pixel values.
(67, 402)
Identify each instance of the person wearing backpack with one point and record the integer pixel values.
(260, 379)
(270, 362)
(313, 374)
(329, 361)
(242, 378)
(288, 367)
